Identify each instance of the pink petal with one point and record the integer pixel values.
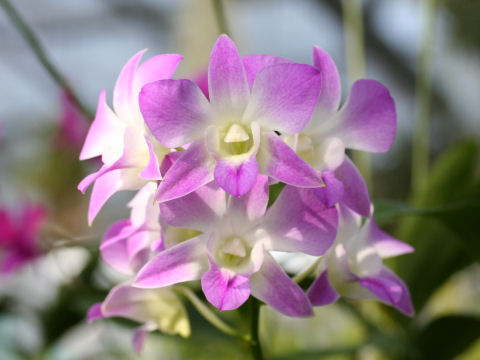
(368, 118)
(390, 289)
(127, 301)
(192, 170)
(91, 178)
(331, 85)
(183, 262)
(298, 221)
(169, 160)
(227, 81)
(7, 228)
(355, 194)
(95, 312)
(223, 289)
(139, 337)
(127, 251)
(271, 285)
(158, 67)
(152, 170)
(108, 184)
(33, 217)
(123, 93)
(254, 203)
(236, 178)
(321, 292)
(156, 308)
(278, 160)
(350, 222)
(175, 111)
(144, 211)
(332, 192)
(14, 259)
(105, 125)
(284, 97)
(200, 210)
(201, 79)
(254, 63)
(113, 248)
(386, 245)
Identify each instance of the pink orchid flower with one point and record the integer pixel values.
(157, 309)
(231, 255)
(232, 133)
(130, 155)
(366, 122)
(353, 266)
(127, 246)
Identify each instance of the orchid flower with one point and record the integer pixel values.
(130, 155)
(353, 266)
(127, 246)
(231, 255)
(19, 237)
(366, 122)
(232, 134)
(158, 309)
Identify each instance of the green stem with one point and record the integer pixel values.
(303, 275)
(255, 346)
(421, 136)
(220, 16)
(209, 315)
(356, 68)
(33, 42)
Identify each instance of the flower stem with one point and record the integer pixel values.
(255, 346)
(209, 315)
(303, 275)
(220, 16)
(33, 42)
(356, 68)
(421, 136)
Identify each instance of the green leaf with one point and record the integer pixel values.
(464, 221)
(448, 336)
(386, 210)
(460, 218)
(440, 239)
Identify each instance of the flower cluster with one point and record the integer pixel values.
(203, 156)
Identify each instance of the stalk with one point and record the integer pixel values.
(220, 16)
(356, 69)
(209, 315)
(33, 42)
(423, 98)
(305, 274)
(255, 346)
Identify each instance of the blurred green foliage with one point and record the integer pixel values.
(466, 15)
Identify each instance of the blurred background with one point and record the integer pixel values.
(43, 302)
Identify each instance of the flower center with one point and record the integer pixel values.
(236, 140)
(233, 252)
